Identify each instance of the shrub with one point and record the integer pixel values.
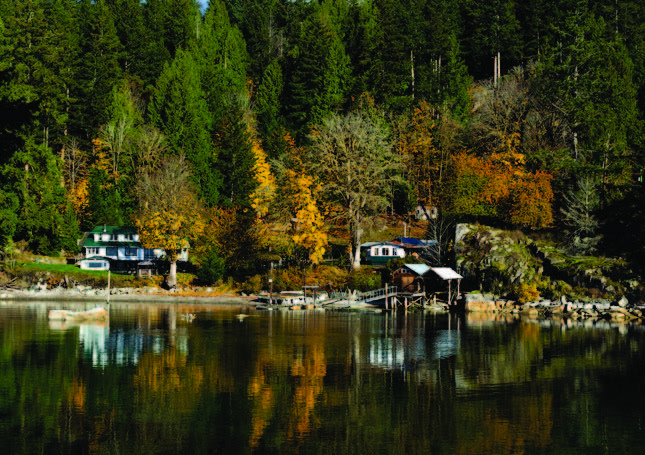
(555, 289)
(253, 285)
(185, 279)
(526, 292)
(211, 268)
(364, 279)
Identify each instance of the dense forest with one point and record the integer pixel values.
(221, 124)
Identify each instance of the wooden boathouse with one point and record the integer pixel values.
(419, 283)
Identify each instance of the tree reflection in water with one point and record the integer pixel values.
(150, 381)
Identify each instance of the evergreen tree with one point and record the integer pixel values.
(260, 25)
(45, 219)
(490, 28)
(318, 75)
(235, 160)
(99, 69)
(222, 59)
(182, 22)
(589, 78)
(156, 54)
(267, 106)
(179, 110)
(132, 33)
(38, 52)
(387, 54)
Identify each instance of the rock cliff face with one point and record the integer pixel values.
(510, 264)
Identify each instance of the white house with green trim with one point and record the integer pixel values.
(105, 244)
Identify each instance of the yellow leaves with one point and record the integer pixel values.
(309, 227)
(265, 191)
(80, 197)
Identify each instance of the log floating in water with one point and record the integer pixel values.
(66, 315)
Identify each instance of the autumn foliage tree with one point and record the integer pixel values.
(297, 203)
(169, 211)
(486, 186)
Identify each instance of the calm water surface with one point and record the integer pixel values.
(149, 381)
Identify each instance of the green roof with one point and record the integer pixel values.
(114, 230)
(89, 242)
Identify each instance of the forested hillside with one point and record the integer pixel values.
(220, 125)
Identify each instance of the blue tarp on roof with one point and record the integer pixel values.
(411, 241)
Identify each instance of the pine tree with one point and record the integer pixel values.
(132, 33)
(99, 67)
(156, 54)
(588, 76)
(182, 21)
(179, 110)
(490, 28)
(39, 52)
(318, 73)
(235, 160)
(260, 25)
(222, 59)
(45, 219)
(267, 107)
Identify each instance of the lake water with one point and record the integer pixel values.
(152, 381)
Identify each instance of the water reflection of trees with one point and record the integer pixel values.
(285, 381)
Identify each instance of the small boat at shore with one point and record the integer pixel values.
(95, 314)
(289, 298)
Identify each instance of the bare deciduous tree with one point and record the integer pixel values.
(353, 158)
(169, 210)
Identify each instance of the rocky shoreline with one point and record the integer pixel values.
(620, 310)
(148, 294)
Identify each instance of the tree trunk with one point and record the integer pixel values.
(355, 253)
(172, 276)
(356, 259)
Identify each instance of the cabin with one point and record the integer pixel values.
(416, 279)
(120, 247)
(380, 253)
(410, 278)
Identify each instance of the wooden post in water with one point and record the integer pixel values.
(386, 298)
(271, 286)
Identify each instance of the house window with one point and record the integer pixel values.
(91, 251)
(111, 251)
(385, 251)
(95, 265)
(131, 251)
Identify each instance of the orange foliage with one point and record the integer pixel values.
(416, 144)
(500, 186)
(80, 197)
(530, 200)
